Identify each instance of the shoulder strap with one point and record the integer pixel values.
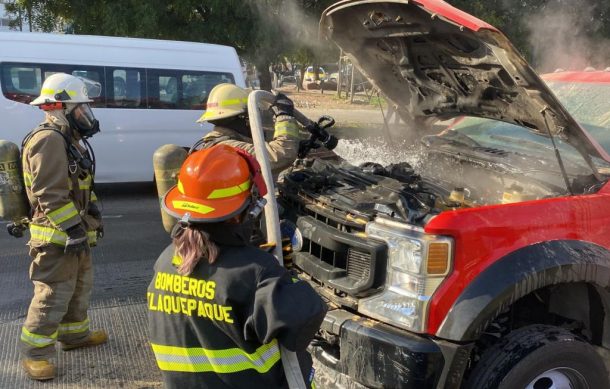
(38, 129)
(204, 143)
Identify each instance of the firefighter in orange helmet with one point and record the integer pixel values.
(219, 308)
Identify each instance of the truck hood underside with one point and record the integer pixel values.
(433, 61)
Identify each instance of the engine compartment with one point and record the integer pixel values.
(355, 195)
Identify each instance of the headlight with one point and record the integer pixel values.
(417, 264)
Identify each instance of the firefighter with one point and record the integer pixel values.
(218, 307)
(58, 175)
(226, 109)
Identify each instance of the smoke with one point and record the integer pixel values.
(358, 151)
(295, 25)
(562, 35)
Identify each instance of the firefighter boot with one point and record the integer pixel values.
(39, 369)
(95, 337)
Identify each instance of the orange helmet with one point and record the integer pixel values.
(214, 185)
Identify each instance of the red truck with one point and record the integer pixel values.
(483, 259)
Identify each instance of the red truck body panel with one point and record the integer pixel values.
(484, 235)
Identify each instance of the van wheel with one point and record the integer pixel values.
(540, 357)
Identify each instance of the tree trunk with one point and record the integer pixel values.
(301, 77)
(264, 76)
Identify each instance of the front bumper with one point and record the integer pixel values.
(380, 356)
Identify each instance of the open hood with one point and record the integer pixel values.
(434, 61)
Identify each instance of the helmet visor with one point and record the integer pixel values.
(94, 88)
(83, 116)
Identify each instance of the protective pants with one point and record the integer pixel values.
(58, 311)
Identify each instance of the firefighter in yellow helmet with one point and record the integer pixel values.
(219, 308)
(65, 222)
(226, 108)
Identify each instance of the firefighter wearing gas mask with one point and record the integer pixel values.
(226, 109)
(65, 222)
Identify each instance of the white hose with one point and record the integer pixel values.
(256, 98)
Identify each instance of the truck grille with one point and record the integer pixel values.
(339, 259)
(358, 264)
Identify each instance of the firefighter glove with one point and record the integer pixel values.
(94, 211)
(282, 106)
(77, 240)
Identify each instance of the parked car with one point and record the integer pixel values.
(310, 76)
(485, 262)
(153, 91)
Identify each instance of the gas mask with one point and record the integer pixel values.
(82, 120)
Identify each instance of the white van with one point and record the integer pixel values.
(153, 91)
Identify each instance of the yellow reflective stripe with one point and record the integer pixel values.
(180, 187)
(48, 234)
(190, 206)
(228, 102)
(93, 196)
(91, 237)
(84, 184)
(229, 192)
(62, 214)
(198, 360)
(52, 235)
(48, 91)
(286, 128)
(176, 260)
(37, 340)
(27, 179)
(74, 328)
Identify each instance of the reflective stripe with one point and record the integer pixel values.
(229, 192)
(62, 214)
(37, 340)
(48, 91)
(48, 234)
(286, 128)
(176, 260)
(190, 206)
(84, 184)
(198, 360)
(92, 238)
(228, 102)
(74, 328)
(180, 187)
(52, 235)
(93, 196)
(27, 179)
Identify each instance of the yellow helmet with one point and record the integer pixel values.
(225, 100)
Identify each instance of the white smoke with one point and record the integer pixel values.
(560, 37)
(358, 151)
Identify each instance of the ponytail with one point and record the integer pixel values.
(192, 245)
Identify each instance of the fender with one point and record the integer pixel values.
(518, 274)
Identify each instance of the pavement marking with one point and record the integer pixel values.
(112, 216)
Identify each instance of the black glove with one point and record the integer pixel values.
(282, 105)
(94, 211)
(77, 240)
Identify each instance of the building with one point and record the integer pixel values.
(4, 20)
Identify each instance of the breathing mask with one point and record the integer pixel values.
(81, 119)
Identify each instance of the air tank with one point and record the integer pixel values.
(14, 205)
(167, 161)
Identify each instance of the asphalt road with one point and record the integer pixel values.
(123, 263)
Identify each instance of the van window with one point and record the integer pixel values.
(178, 89)
(197, 86)
(126, 87)
(91, 72)
(21, 82)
